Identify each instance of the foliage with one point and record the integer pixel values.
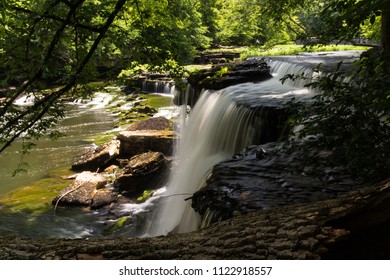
(242, 23)
(350, 119)
(294, 49)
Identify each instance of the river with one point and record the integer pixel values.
(25, 199)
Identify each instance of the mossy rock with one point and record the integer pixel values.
(145, 195)
(111, 228)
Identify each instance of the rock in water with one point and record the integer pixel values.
(81, 191)
(97, 158)
(143, 171)
(103, 197)
(141, 141)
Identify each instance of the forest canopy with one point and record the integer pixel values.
(57, 45)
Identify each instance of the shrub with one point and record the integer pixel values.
(350, 119)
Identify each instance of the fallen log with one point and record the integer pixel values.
(354, 226)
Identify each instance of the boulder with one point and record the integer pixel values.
(141, 141)
(97, 158)
(81, 191)
(144, 171)
(159, 123)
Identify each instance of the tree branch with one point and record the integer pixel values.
(50, 99)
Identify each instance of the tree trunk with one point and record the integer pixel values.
(354, 226)
(385, 30)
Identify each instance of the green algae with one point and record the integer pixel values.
(145, 195)
(35, 198)
(158, 101)
(111, 228)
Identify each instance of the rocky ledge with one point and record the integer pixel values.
(223, 75)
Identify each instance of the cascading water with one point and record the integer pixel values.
(221, 124)
(159, 86)
(216, 130)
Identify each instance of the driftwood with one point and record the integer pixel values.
(353, 226)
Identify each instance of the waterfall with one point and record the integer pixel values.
(221, 124)
(216, 129)
(163, 86)
(282, 68)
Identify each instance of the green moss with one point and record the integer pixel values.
(157, 101)
(101, 139)
(221, 72)
(145, 195)
(35, 198)
(111, 228)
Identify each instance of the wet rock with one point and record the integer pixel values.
(81, 191)
(143, 171)
(111, 228)
(215, 204)
(265, 177)
(159, 123)
(103, 197)
(97, 158)
(141, 141)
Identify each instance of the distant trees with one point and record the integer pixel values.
(244, 22)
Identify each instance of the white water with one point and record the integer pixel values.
(163, 86)
(216, 129)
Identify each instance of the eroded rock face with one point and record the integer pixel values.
(96, 159)
(141, 141)
(143, 171)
